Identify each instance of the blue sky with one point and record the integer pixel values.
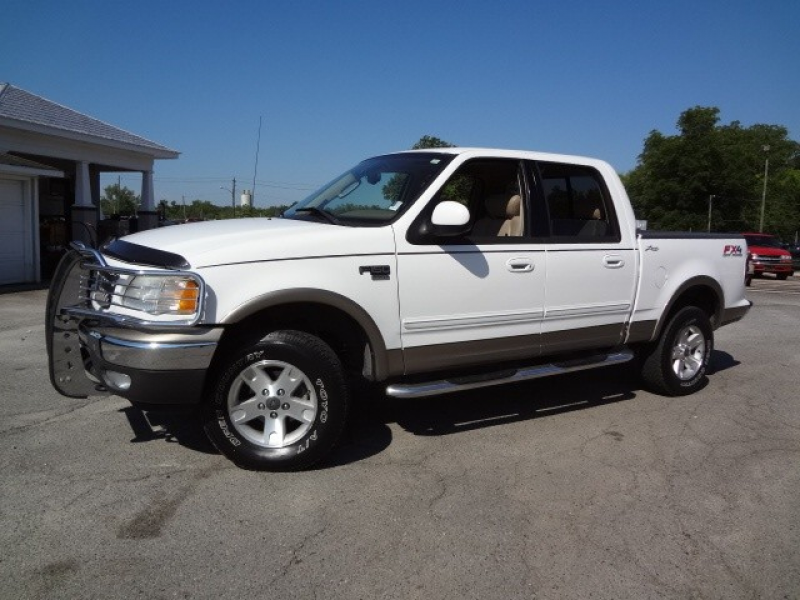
(335, 82)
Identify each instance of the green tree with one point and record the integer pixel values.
(430, 141)
(393, 188)
(676, 175)
(204, 210)
(117, 200)
(458, 187)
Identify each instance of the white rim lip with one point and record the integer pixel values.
(688, 353)
(272, 404)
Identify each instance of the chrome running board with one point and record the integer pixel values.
(460, 384)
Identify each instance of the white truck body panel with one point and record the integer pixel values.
(667, 264)
(465, 293)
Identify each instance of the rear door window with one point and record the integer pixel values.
(578, 204)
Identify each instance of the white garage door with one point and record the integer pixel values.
(15, 236)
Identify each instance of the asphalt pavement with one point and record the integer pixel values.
(581, 486)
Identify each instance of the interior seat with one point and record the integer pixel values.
(503, 217)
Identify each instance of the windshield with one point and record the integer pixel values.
(765, 241)
(374, 192)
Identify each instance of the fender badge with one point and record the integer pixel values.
(378, 272)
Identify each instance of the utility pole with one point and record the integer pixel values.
(255, 169)
(764, 191)
(710, 202)
(233, 197)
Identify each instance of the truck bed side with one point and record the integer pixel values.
(676, 266)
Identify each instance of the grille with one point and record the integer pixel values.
(771, 260)
(102, 289)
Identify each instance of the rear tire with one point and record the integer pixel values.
(279, 404)
(677, 365)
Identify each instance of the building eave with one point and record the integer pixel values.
(160, 153)
(29, 171)
(15, 165)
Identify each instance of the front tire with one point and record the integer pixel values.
(677, 364)
(279, 404)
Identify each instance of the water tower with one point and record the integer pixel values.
(247, 198)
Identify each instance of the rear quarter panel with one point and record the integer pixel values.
(669, 261)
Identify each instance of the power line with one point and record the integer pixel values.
(288, 185)
(202, 180)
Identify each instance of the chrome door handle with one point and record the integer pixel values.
(613, 261)
(519, 265)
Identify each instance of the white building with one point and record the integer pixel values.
(51, 158)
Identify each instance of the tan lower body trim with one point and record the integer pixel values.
(422, 359)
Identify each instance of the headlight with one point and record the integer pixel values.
(786, 259)
(161, 294)
(755, 256)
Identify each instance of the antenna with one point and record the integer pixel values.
(255, 169)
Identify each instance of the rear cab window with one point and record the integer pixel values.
(578, 205)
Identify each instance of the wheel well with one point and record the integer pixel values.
(334, 326)
(701, 296)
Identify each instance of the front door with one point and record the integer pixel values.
(479, 298)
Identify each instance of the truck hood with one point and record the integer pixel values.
(767, 251)
(213, 243)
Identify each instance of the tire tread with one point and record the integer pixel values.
(654, 371)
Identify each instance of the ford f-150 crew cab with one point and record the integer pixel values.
(423, 271)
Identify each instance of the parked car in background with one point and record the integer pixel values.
(767, 255)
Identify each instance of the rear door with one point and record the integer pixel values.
(591, 266)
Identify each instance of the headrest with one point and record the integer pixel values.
(500, 206)
(587, 209)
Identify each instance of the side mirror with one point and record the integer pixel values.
(450, 219)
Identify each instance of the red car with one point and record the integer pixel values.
(768, 256)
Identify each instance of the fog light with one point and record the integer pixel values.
(117, 381)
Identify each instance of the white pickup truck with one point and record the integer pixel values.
(426, 271)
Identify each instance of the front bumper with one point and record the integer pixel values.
(148, 367)
(91, 352)
(776, 268)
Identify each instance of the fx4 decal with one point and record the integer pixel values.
(732, 251)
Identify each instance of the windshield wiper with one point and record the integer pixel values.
(329, 217)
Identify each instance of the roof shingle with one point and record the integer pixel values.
(19, 105)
